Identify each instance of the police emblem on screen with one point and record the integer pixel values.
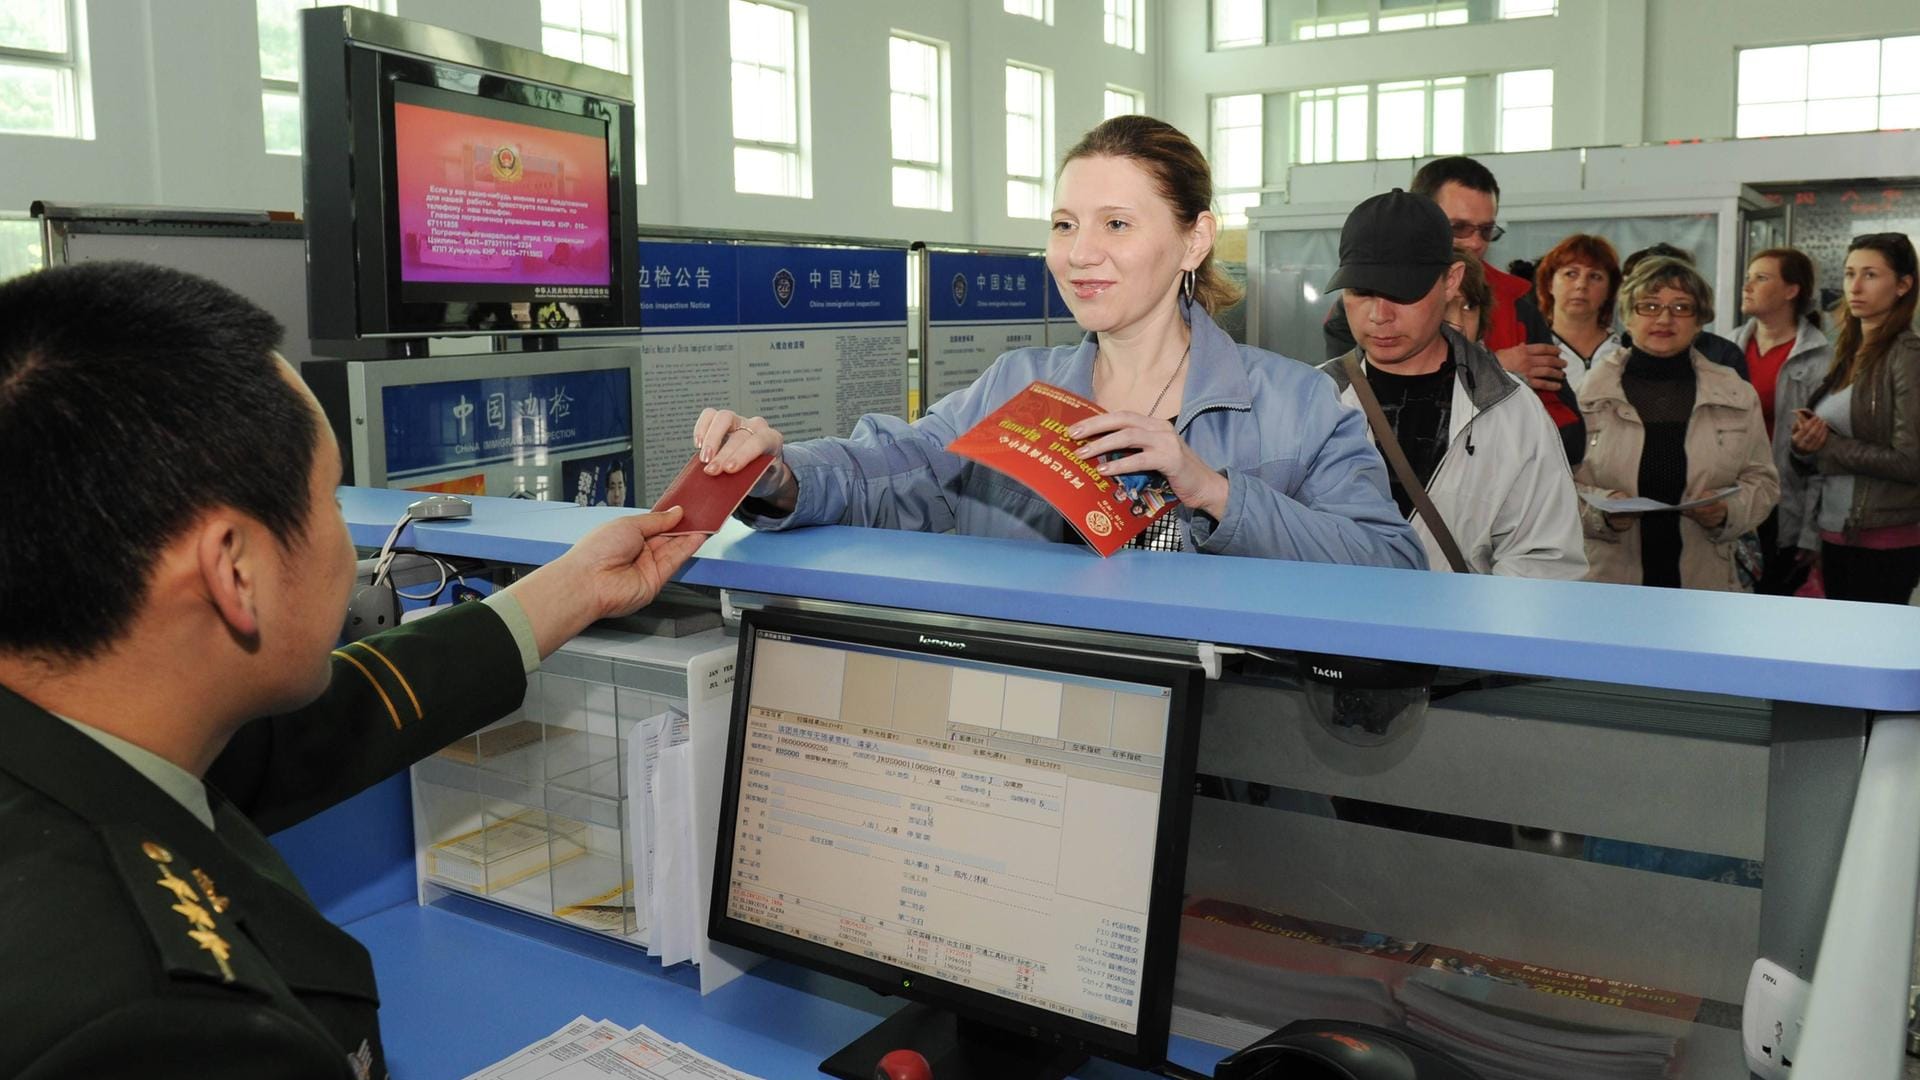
(783, 287)
(959, 288)
(506, 163)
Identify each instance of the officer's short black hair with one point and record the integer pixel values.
(1464, 171)
(132, 399)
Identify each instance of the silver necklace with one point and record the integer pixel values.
(1177, 368)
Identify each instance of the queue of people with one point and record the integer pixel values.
(1656, 454)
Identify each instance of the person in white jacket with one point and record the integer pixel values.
(1484, 448)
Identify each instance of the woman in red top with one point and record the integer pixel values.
(1787, 356)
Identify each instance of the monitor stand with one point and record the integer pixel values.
(957, 1048)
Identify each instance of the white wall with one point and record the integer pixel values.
(689, 137)
(1625, 71)
(176, 90)
(176, 106)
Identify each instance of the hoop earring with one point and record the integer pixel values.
(1186, 287)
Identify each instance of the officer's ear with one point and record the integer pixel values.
(230, 553)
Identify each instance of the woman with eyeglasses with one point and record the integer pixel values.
(1665, 423)
(1862, 431)
(1576, 283)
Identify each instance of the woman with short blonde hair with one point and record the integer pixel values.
(1666, 423)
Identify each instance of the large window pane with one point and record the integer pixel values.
(1783, 118)
(1900, 112)
(1032, 9)
(1402, 124)
(760, 171)
(1121, 103)
(1526, 129)
(1449, 121)
(32, 100)
(1843, 114)
(282, 112)
(1843, 69)
(1238, 23)
(1026, 199)
(1768, 75)
(20, 251)
(1900, 66)
(40, 25)
(1528, 9)
(916, 187)
(1351, 142)
(280, 38)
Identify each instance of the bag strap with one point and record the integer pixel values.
(1402, 468)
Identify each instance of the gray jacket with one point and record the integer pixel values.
(1806, 365)
(1304, 481)
(1502, 486)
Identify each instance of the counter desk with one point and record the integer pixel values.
(1682, 729)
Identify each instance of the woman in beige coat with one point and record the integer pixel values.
(1666, 423)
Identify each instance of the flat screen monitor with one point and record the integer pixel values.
(459, 186)
(985, 823)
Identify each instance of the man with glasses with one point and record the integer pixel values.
(1518, 335)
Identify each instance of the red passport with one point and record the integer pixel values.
(1027, 439)
(706, 501)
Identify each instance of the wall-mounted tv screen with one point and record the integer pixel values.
(459, 186)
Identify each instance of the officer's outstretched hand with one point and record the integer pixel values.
(614, 570)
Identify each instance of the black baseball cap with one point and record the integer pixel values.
(1396, 245)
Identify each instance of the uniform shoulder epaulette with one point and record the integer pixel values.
(180, 906)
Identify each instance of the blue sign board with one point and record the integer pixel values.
(433, 427)
(781, 285)
(688, 285)
(968, 288)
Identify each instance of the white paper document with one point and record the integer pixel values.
(584, 1050)
(676, 919)
(1639, 505)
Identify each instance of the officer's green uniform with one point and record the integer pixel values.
(135, 941)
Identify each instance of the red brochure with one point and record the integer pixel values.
(708, 501)
(1027, 439)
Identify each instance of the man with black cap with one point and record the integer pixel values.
(1469, 445)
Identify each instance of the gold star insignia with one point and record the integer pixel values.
(178, 886)
(218, 903)
(195, 914)
(216, 945)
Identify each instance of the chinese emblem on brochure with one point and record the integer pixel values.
(1027, 439)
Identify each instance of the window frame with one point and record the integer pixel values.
(1501, 110)
(798, 153)
(1040, 181)
(939, 106)
(1214, 41)
(73, 98)
(1136, 23)
(1040, 11)
(1223, 189)
(1880, 97)
(1137, 101)
(277, 87)
(622, 23)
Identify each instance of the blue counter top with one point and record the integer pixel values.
(1825, 652)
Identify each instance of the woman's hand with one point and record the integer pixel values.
(1621, 522)
(1157, 448)
(1709, 516)
(729, 442)
(1809, 432)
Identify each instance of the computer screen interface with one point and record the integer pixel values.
(993, 825)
